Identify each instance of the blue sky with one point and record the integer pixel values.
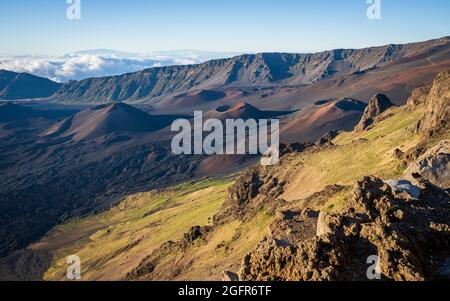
(41, 26)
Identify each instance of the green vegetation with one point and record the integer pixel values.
(112, 243)
(337, 202)
(355, 156)
(222, 251)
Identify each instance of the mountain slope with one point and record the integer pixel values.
(267, 69)
(298, 220)
(330, 74)
(16, 119)
(156, 215)
(83, 164)
(315, 120)
(15, 86)
(108, 119)
(10, 111)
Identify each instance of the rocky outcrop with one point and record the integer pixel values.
(433, 166)
(293, 148)
(437, 116)
(418, 97)
(254, 189)
(323, 224)
(377, 105)
(193, 234)
(436, 101)
(409, 238)
(327, 138)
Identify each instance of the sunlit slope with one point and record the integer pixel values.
(351, 157)
(112, 243)
(354, 155)
(115, 242)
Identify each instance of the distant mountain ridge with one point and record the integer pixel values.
(250, 70)
(14, 86)
(265, 69)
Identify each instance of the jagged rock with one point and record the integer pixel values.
(254, 189)
(327, 138)
(418, 97)
(411, 239)
(293, 148)
(292, 226)
(323, 224)
(245, 189)
(437, 116)
(436, 100)
(433, 166)
(229, 276)
(195, 233)
(377, 105)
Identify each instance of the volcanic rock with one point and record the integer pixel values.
(437, 116)
(377, 105)
(327, 138)
(410, 238)
(433, 166)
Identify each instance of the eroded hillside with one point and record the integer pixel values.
(316, 215)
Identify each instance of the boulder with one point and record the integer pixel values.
(433, 166)
(404, 186)
(195, 233)
(323, 224)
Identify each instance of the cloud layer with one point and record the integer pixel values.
(97, 63)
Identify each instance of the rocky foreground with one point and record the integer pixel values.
(410, 236)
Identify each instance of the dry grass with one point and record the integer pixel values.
(127, 233)
(114, 242)
(355, 155)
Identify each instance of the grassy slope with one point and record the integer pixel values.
(112, 243)
(356, 155)
(374, 155)
(223, 251)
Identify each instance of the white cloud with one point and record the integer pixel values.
(97, 63)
